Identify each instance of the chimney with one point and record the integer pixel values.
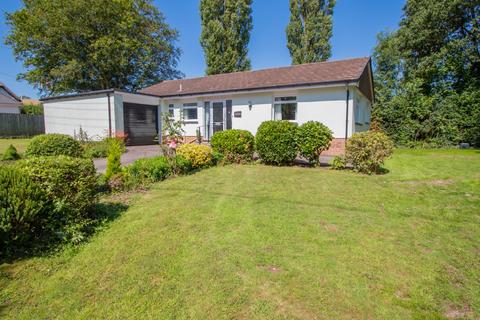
(180, 90)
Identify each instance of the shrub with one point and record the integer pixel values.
(180, 165)
(54, 144)
(24, 208)
(35, 109)
(367, 151)
(237, 146)
(11, 154)
(275, 142)
(338, 163)
(313, 138)
(99, 149)
(200, 156)
(69, 182)
(114, 165)
(148, 170)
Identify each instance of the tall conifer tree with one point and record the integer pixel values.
(310, 30)
(226, 26)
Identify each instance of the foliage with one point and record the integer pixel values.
(11, 153)
(114, 165)
(92, 44)
(35, 109)
(427, 75)
(24, 208)
(172, 130)
(276, 142)
(147, 170)
(99, 149)
(309, 30)
(367, 151)
(200, 156)
(180, 165)
(226, 27)
(338, 163)
(69, 182)
(312, 138)
(237, 146)
(54, 144)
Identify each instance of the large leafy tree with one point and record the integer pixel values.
(427, 74)
(226, 26)
(310, 30)
(80, 45)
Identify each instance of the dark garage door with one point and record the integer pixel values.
(140, 123)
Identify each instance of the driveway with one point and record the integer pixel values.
(133, 153)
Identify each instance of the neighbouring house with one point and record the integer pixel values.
(9, 102)
(338, 94)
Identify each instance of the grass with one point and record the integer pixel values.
(257, 242)
(20, 144)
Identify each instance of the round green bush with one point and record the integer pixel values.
(237, 146)
(312, 138)
(24, 208)
(367, 151)
(148, 170)
(10, 154)
(275, 142)
(69, 182)
(54, 144)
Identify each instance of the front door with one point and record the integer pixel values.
(217, 117)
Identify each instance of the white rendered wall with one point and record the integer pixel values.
(326, 105)
(90, 113)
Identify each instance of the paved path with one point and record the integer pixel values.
(133, 153)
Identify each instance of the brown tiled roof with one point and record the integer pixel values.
(305, 74)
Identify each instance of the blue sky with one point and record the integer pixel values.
(356, 24)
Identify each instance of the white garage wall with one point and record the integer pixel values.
(9, 109)
(90, 113)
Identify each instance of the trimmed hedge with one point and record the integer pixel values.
(276, 142)
(200, 156)
(24, 209)
(312, 138)
(367, 151)
(236, 146)
(69, 182)
(54, 144)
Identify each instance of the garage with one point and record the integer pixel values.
(104, 113)
(141, 123)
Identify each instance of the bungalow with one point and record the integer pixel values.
(338, 94)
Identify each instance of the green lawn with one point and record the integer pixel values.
(20, 144)
(257, 242)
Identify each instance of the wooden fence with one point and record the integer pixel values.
(19, 125)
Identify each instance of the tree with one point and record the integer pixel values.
(310, 30)
(70, 46)
(427, 74)
(226, 26)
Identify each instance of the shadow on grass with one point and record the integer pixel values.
(102, 214)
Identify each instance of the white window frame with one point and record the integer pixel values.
(189, 106)
(171, 107)
(281, 103)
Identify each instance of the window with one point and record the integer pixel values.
(190, 112)
(285, 108)
(358, 112)
(171, 110)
